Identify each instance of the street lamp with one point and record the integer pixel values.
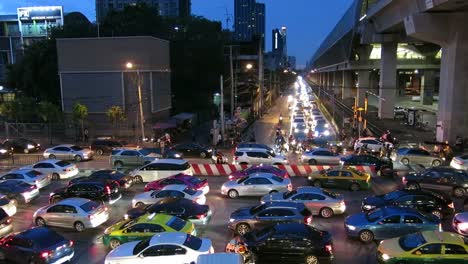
(249, 66)
(129, 66)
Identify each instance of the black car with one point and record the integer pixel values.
(193, 150)
(125, 181)
(168, 153)
(22, 145)
(439, 179)
(103, 191)
(384, 165)
(19, 191)
(285, 243)
(6, 226)
(423, 201)
(180, 207)
(36, 245)
(5, 152)
(104, 146)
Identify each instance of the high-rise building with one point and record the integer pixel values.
(171, 8)
(279, 46)
(249, 20)
(292, 62)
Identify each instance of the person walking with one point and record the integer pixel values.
(86, 135)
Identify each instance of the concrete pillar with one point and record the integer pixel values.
(388, 80)
(363, 85)
(337, 83)
(427, 87)
(448, 31)
(346, 84)
(329, 81)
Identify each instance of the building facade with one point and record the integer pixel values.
(170, 8)
(279, 51)
(249, 20)
(93, 72)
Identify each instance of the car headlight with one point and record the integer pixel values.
(306, 130)
(350, 227)
(326, 125)
(368, 207)
(326, 133)
(231, 220)
(296, 130)
(177, 155)
(3, 151)
(30, 146)
(385, 257)
(209, 150)
(316, 134)
(126, 216)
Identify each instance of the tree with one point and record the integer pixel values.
(49, 112)
(116, 115)
(80, 112)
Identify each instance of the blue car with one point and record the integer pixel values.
(389, 222)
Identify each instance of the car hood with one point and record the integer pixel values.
(135, 212)
(143, 196)
(231, 183)
(123, 251)
(241, 213)
(390, 247)
(376, 201)
(272, 197)
(357, 219)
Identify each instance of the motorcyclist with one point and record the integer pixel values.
(280, 119)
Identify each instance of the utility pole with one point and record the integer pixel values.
(142, 119)
(260, 73)
(232, 80)
(221, 108)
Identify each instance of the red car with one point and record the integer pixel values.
(259, 168)
(190, 181)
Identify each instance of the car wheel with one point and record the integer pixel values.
(52, 156)
(202, 155)
(312, 162)
(437, 213)
(317, 184)
(242, 229)
(405, 161)
(55, 176)
(366, 236)
(233, 194)
(118, 164)
(354, 187)
(386, 171)
(326, 212)
(140, 205)
(99, 152)
(413, 186)
(78, 158)
(311, 259)
(459, 192)
(114, 243)
(80, 227)
(138, 179)
(26, 151)
(436, 163)
(40, 221)
(273, 191)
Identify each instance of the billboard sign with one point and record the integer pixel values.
(40, 13)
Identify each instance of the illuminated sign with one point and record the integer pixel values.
(40, 13)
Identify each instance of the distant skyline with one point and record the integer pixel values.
(308, 21)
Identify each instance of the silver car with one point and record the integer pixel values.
(30, 176)
(77, 213)
(59, 169)
(460, 223)
(257, 184)
(415, 156)
(318, 201)
(9, 206)
(68, 152)
(173, 190)
(320, 156)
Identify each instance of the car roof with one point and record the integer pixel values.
(64, 145)
(294, 205)
(74, 201)
(48, 161)
(295, 228)
(397, 210)
(251, 150)
(35, 232)
(175, 187)
(262, 175)
(445, 237)
(367, 138)
(154, 218)
(319, 149)
(173, 161)
(21, 170)
(168, 238)
(308, 189)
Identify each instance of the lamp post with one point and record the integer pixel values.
(130, 66)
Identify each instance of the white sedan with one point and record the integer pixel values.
(165, 247)
(173, 190)
(460, 162)
(30, 176)
(59, 169)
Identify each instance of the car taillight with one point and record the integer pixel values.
(108, 190)
(9, 221)
(308, 220)
(230, 177)
(33, 187)
(236, 158)
(342, 203)
(105, 209)
(289, 186)
(241, 249)
(200, 216)
(71, 243)
(46, 254)
(328, 248)
(451, 205)
(91, 216)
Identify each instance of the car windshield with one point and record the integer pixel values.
(241, 180)
(176, 223)
(392, 196)
(193, 242)
(145, 152)
(140, 246)
(127, 224)
(374, 215)
(257, 208)
(411, 241)
(195, 180)
(356, 172)
(33, 174)
(330, 194)
(190, 191)
(286, 195)
(90, 206)
(76, 148)
(49, 239)
(278, 179)
(62, 163)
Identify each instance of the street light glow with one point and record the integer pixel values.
(129, 65)
(249, 66)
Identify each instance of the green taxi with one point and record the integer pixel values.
(341, 177)
(424, 247)
(144, 227)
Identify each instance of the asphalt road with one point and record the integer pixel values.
(89, 248)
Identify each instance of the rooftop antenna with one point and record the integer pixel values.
(228, 18)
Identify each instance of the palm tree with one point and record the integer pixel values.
(80, 112)
(116, 115)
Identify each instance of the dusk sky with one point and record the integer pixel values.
(308, 21)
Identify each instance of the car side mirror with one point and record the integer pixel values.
(141, 256)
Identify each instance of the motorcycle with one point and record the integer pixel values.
(219, 158)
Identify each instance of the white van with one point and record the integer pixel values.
(217, 258)
(160, 169)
